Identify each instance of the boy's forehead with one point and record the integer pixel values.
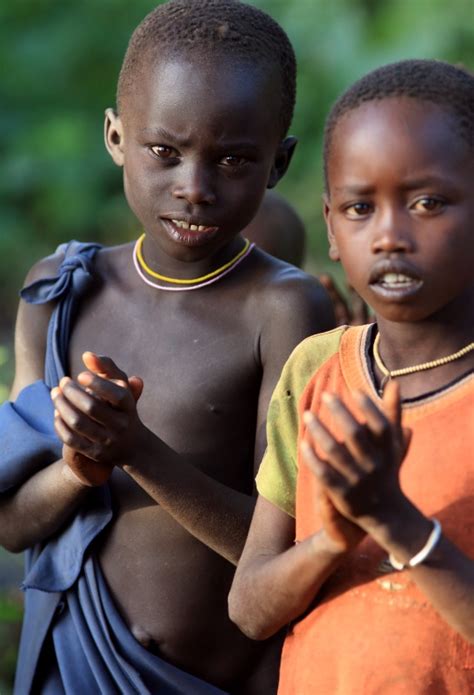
(186, 85)
(403, 128)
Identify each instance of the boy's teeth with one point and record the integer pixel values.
(396, 279)
(192, 227)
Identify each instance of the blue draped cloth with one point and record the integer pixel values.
(66, 597)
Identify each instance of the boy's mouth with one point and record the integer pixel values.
(189, 232)
(394, 279)
(182, 224)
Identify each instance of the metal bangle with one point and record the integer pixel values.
(424, 553)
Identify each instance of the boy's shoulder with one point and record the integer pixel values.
(49, 266)
(313, 352)
(46, 267)
(284, 289)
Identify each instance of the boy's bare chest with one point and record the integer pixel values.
(199, 364)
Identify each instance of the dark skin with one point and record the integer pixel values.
(401, 202)
(182, 460)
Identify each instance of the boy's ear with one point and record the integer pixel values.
(282, 160)
(333, 250)
(113, 136)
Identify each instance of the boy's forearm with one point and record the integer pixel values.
(269, 591)
(214, 513)
(446, 577)
(37, 509)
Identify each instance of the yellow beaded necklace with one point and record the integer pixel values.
(391, 373)
(193, 281)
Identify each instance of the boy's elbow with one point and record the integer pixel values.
(13, 546)
(246, 618)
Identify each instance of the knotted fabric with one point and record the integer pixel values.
(29, 442)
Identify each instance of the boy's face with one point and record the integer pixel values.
(199, 143)
(400, 209)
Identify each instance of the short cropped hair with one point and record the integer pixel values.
(448, 86)
(223, 27)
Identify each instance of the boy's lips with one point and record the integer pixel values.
(189, 231)
(394, 279)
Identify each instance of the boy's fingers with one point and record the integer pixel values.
(90, 407)
(359, 310)
(339, 304)
(336, 454)
(136, 387)
(73, 440)
(328, 476)
(355, 435)
(103, 366)
(407, 434)
(391, 402)
(78, 422)
(116, 394)
(376, 420)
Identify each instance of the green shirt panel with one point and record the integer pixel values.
(276, 478)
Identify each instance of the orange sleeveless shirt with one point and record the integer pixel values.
(372, 631)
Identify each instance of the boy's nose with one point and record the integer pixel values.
(392, 234)
(194, 185)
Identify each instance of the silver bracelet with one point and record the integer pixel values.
(424, 553)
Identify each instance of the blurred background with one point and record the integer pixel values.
(60, 65)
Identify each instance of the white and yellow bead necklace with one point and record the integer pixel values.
(186, 284)
(391, 373)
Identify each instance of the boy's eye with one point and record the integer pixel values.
(357, 210)
(232, 160)
(164, 151)
(427, 204)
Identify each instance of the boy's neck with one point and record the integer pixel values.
(406, 344)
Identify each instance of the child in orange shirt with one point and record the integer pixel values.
(378, 489)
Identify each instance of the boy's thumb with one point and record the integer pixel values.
(103, 366)
(136, 387)
(407, 435)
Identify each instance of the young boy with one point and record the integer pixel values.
(380, 581)
(133, 534)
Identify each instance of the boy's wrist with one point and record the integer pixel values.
(325, 544)
(144, 455)
(72, 478)
(402, 532)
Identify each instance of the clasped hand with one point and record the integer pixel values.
(96, 419)
(359, 471)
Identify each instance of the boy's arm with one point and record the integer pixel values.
(360, 475)
(38, 508)
(214, 513)
(98, 419)
(276, 580)
(298, 309)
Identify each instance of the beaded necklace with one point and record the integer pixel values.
(214, 276)
(391, 373)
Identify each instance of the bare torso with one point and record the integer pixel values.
(199, 354)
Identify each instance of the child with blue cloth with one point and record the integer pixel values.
(135, 504)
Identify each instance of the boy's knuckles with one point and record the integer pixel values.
(357, 433)
(73, 420)
(382, 429)
(66, 436)
(331, 447)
